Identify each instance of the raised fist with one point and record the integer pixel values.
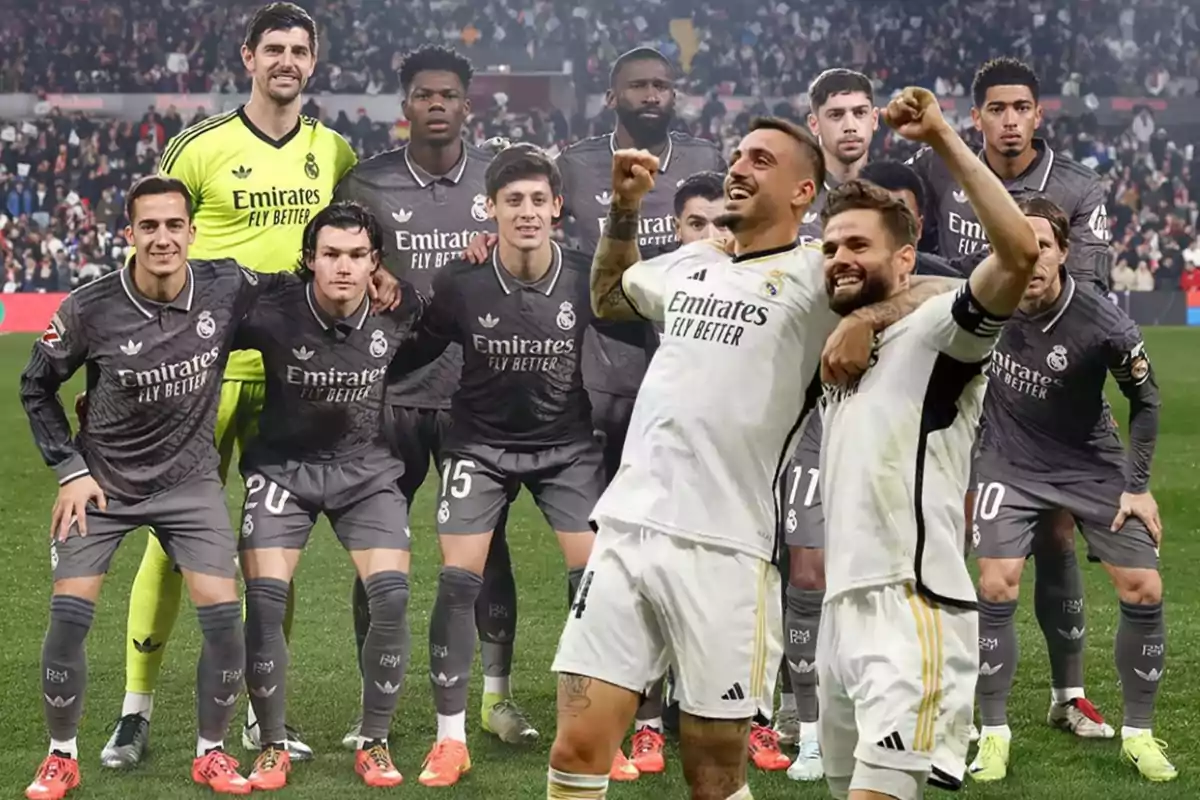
(916, 115)
(633, 174)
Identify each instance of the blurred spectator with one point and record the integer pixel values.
(1190, 279)
(1124, 279)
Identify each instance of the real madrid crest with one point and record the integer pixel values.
(791, 522)
(774, 283)
(1057, 359)
(479, 208)
(379, 345)
(206, 326)
(310, 167)
(566, 316)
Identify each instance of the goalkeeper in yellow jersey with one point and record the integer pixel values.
(257, 175)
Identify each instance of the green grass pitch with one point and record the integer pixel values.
(323, 684)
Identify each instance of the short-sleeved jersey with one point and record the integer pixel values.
(1045, 413)
(253, 195)
(615, 353)
(153, 377)
(429, 221)
(810, 223)
(896, 453)
(719, 411)
(521, 386)
(325, 376)
(952, 224)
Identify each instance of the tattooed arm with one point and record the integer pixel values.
(617, 252)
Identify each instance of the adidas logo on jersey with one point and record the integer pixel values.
(402, 216)
(241, 173)
(488, 321)
(604, 198)
(809, 218)
(699, 275)
(735, 693)
(302, 353)
(959, 196)
(891, 742)
(131, 348)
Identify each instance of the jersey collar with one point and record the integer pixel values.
(278, 144)
(182, 302)
(424, 178)
(773, 251)
(353, 322)
(1035, 178)
(545, 285)
(663, 163)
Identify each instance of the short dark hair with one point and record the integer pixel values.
(1047, 209)
(643, 53)
(345, 215)
(857, 194)
(837, 81)
(895, 176)
(1003, 71)
(280, 17)
(156, 184)
(706, 185)
(435, 58)
(808, 143)
(521, 162)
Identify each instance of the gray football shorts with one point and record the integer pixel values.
(479, 481)
(803, 516)
(360, 497)
(610, 418)
(1011, 511)
(416, 436)
(190, 520)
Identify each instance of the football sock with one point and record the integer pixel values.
(452, 638)
(267, 656)
(997, 660)
(452, 726)
(67, 747)
(64, 664)
(651, 709)
(138, 703)
(385, 652)
(496, 611)
(1140, 649)
(1058, 605)
(153, 609)
(204, 745)
(741, 794)
(220, 667)
(360, 605)
(802, 618)
(565, 786)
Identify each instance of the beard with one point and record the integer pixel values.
(730, 222)
(873, 289)
(646, 129)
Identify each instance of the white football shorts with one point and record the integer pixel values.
(649, 600)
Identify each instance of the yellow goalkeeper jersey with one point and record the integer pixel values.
(253, 195)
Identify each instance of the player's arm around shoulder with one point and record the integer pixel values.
(432, 322)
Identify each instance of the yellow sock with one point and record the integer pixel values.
(566, 786)
(153, 608)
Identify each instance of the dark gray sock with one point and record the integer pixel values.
(802, 619)
(1141, 650)
(360, 606)
(452, 638)
(997, 660)
(385, 654)
(267, 656)
(652, 704)
(1058, 604)
(222, 662)
(496, 608)
(64, 664)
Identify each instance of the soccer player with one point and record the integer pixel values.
(257, 175)
(1049, 443)
(897, 657)
(321, 449)
(154, 338)
(699, 202)
(641, 93)
(520, 417)
(682, 571)
(430, 197)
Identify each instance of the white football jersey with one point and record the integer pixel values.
(718, 413)
(896, 454)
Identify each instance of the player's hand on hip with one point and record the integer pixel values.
(847, 352)
(478, 248)
(384, 291)
(71, 506)
(1144, 507)
(916, 115)
(81, 408)
(633, 174)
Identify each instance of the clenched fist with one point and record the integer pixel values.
(633, 174)
(916, 115)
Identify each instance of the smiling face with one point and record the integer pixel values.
(281, 64)
(524, 211)
(863, 263)
(769, 177)
(161, 233)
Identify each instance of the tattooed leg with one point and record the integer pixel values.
(592, 719)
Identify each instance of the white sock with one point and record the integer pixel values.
(1126, 732)
(654, 724)
(568, 785)
(499, 685)
(1066, 695)
(138, 703)
(251, 717)
(204, 745)
(452, 726)
(787, 702)
(742, 794)
(808, 731)
(68, 746)
(1003, 731)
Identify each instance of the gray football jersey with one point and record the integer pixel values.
(615, 353)
(810, 224)
(428, 221)
(325, 377)
(153, 377)
(521, 386)
(951, 222)
(1045, 412)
